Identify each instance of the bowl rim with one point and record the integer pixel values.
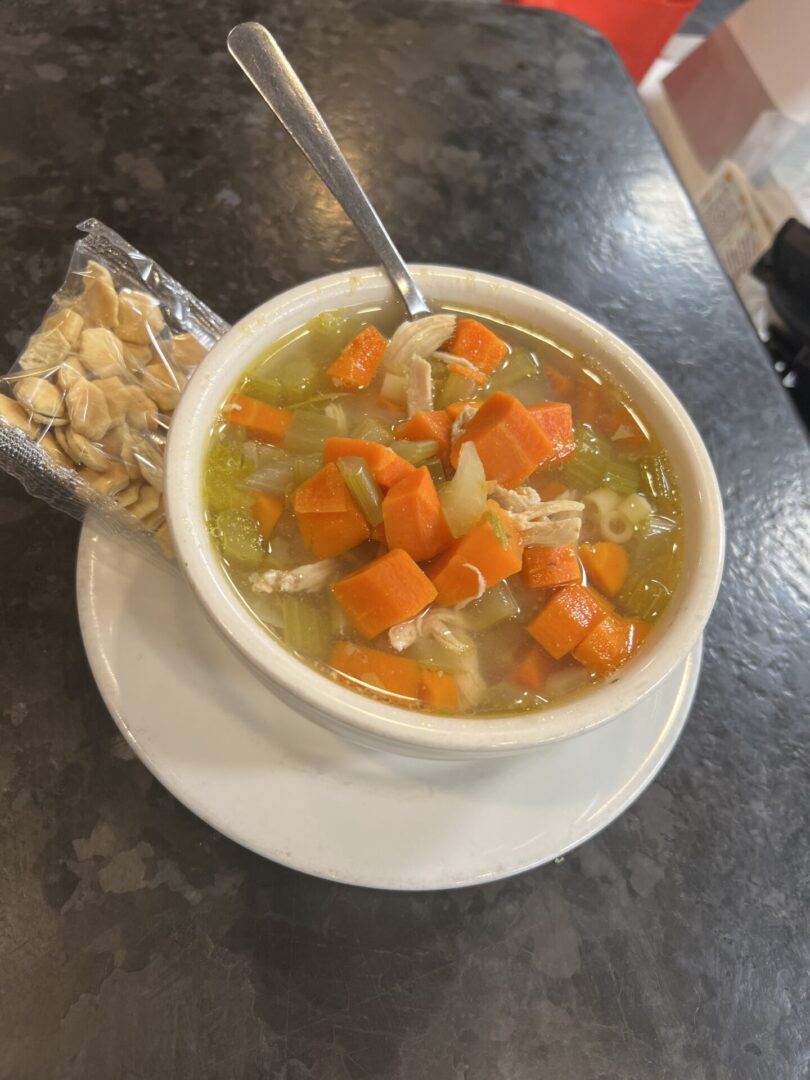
(372, 720)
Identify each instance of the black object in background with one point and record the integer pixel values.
(785, 270)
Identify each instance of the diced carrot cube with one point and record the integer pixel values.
(384, 592)
(475, 342)
(549, 489)
(438, 691)
(589, 401)
(608, 645)
(546, 566)
(606, 565)
(267, 509)
(509, 442)
(554, 418)
(261, 421)
(329, 519)
(565, 619)
(386, 466)
(492, 548)
(358, 362)
(396, 675)
(532, 669)
(429, 425)
(413, 517)
(562, 386)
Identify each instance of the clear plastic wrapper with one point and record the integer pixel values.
(86, 408)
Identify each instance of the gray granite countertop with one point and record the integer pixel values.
(136, 942)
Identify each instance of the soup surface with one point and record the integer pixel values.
(454, 514)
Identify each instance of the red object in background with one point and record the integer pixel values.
(637, 29)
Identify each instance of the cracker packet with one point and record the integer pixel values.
(86, 407)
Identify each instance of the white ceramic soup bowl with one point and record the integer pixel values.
(390, 727)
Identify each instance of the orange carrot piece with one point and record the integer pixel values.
(532, 669)
(549, 489)
(608, 645)
(475, 342)
(456, 406)
(562, 385)
(554, 418)
(565, 619)
(267, 509)
(438, 691)
(261, 421)
(546, 566)
(396, 675)
(386, 466)
(589, 401)
(429, 425)
(358, 362)
(477, 376)
(384, 592)
(619, 425)
(329, 519)
(378, 533)
(606, 565)
(509, 442)
(492, 547)
(413, 517)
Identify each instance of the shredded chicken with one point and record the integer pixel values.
(335, 411)
(482, 586)
(541, 522)
(471, 686)
(461, 421)
(439, 623)
(420, 337)
(307, 578)
(420, 386)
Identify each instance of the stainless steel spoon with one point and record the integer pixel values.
(258, 54)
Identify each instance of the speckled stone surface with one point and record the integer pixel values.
(134, 941)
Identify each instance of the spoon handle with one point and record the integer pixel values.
(258, 54)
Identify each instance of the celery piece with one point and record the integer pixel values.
(363, 487)
(457, 388)
(646, 598)
(276, 477)
(394, 388)
(432, 654)
(240, 539)
(297, 378)
(531, 391)
(226, 467)
(655, 478)
(331, 326)
(517, 367)
(436, 470)
(621, 476)
(304, 466)
(307, 628)
(495, 523)
(464, 498)
(337, 617)
(417, 451)
(373, 430)
(267, 390)
(308, 432)
(496, 606)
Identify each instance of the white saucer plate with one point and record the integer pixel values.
(268, 778)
